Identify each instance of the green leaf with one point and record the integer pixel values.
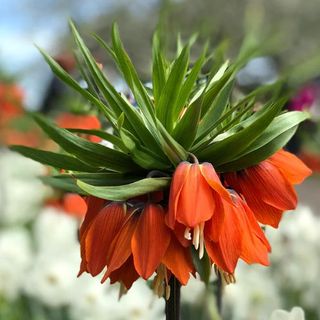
(158, 68)
(67, 185)
(65, 77)
(68, 182)
(114, 99)
(53, 159)
(258, 155)
(92, 153)
(166, 109)
(127, 191)
(279, 125)
(130, 74)
(186, 129)
(215, 87)
(229, 145)
(188, 84)
(116, 141)
(141, 155)
(174, 151)
(218, 106)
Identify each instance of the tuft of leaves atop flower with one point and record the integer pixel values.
(192, 108)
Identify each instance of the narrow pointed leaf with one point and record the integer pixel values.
(238, 141)
(65, 77)
(166, 109)
(208, 122)
(53, 159)
(92, 153)
(124, 192)
(186, 129)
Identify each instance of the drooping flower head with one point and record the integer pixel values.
(268, 186)
(131, 242)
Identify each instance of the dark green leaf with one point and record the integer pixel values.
(158, 68)
(186, 129)
(208, 122)
(229, 145)
(116, 141)
(166, 109)
(92, 153)
(258, 155)
(65, 77)
(53, 159)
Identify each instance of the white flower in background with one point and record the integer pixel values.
(93, 301)
(295, 314)
(252, 296)
(140, 303)
(296, 248)
(193, 292)
(55, 232)
(54, 271)
(15, 258)
(21, 192)
(52, 278)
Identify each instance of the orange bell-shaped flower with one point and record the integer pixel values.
(240, 237)
(194, 191)
(268, 186)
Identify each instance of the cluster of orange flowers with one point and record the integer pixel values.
(216, 214)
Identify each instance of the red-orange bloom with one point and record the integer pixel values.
(129, 242)
(240, 236)
(268, 186)
(194, 191)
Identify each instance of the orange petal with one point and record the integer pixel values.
(179, 261)
(290, 166)
(94, 205)
(120, 248)
(100, 235)
(177, 183)
(74, 204)
(213, 180)
(272, 187)
(226, 252)
(126, 274)
(215, 224)
(196, 201)
(255, 246)
(150, 240)
(265, 190)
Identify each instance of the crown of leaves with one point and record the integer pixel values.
(186, 111)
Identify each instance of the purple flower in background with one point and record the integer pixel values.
(304, 99)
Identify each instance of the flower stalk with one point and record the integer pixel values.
(173, 303)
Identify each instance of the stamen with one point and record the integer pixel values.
(187, 234)
(201, 240)
(160, 281)
(168, 291)
(196, 237)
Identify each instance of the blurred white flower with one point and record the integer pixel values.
(193, 292)
(21, 192)
(16, 256)
(93, 301)
(253, 295)
(51, 279)
(55, 232)
(295, 314)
